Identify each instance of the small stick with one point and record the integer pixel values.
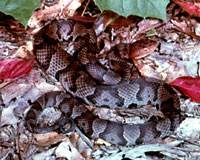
(198, 65)
(48, 77)
(85, 7)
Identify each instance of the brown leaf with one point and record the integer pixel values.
(83, 19)
(41, 17)
(111, 20)
(47, 138)
(185, 29)
(25, 51)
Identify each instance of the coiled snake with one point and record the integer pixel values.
(67, 50)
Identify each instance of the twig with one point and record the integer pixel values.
(185, 140)
(85, 7)
(18, 143)
(187, 149)
(48, 77)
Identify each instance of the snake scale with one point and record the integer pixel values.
(68, 50)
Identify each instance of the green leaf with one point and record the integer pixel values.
(19, 9)
(142, 8)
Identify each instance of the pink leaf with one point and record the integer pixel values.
(189, 86)
(190, 8)
(12, 68)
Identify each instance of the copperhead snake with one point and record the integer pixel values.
(67, 50)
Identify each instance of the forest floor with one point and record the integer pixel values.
(174, 53)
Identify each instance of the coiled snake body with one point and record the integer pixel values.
(67, 50)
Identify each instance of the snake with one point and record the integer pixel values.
(68, 50)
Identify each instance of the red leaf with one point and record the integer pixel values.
(190, 8)
(12, 68)
(189, 86)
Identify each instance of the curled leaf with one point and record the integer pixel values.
(12, 68)
(189, 86)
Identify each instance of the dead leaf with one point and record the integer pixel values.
(67, 150)
(85, 149)
(8, 116)
(146, 70)
(63, 8)
(25, 51)
(83, 19)
(185, 29)
(47, 138)
(111, 20)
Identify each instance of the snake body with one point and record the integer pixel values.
(67, 50)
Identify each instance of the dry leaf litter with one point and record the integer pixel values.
(177, 55)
